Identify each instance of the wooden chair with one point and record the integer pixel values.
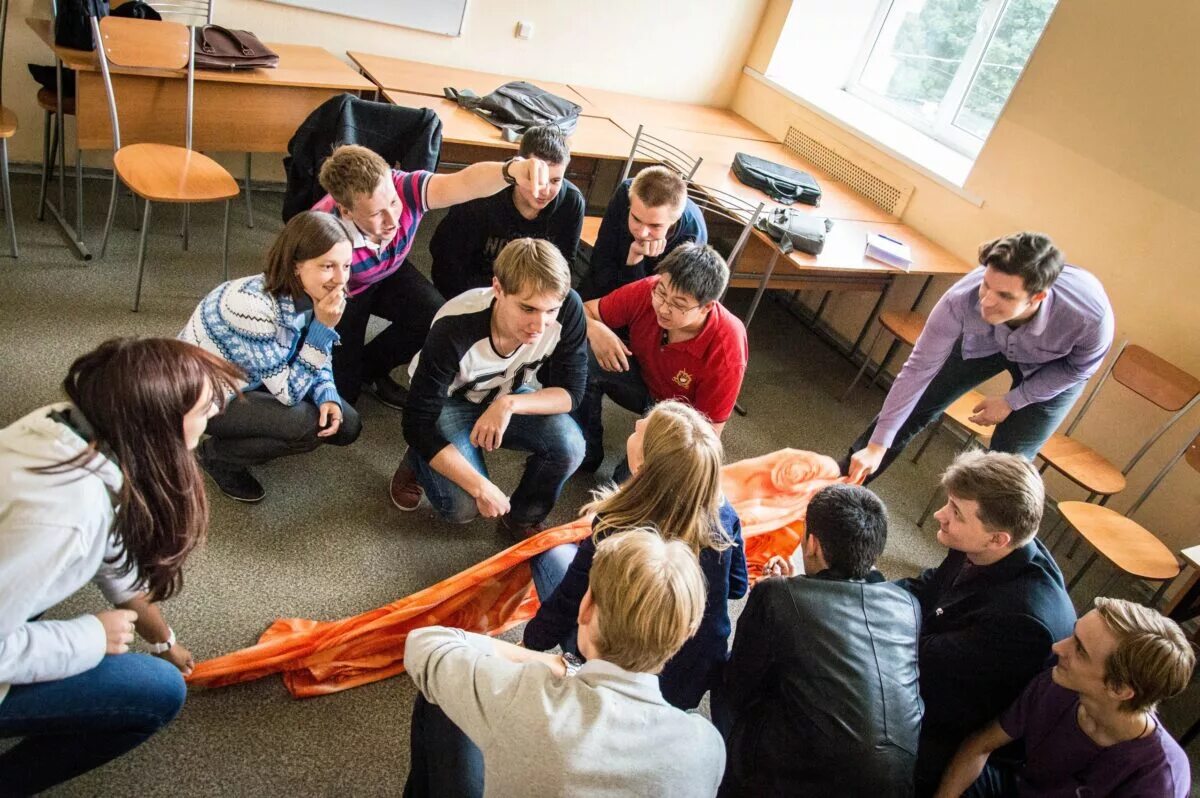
(1148, 376)
(905, 327)
(660, 151)
(959, 412)
(1127, 545)
(158, 172)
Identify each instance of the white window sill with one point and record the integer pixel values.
(904, 143)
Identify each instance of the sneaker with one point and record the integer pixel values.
(389, 392)
(236, 482)
(405, 490)
(517, 532)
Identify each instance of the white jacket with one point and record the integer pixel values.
(54, 538)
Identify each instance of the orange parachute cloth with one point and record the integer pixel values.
(770, 494)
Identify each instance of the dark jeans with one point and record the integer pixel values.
(996, 781)
(626, 388)
(1023, 432)
(73, 725)
(259, 428)
(405, 298)
(445, 763)
(555, 446)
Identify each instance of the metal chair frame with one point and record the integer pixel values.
(660, 151)
(4, 180)
(731, 207)
(105, 70)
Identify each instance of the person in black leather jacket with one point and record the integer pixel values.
(991, 611)
(821, 692)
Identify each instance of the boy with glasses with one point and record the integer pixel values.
(683, 344)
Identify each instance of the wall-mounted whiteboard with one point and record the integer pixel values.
(437, 16)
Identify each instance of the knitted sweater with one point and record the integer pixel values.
(259, 332)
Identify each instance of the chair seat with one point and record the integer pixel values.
(48, 100)
(905, 326)
(961, 410)
(1082, 465)
(8, 122)
(1122, 541)
(165, 173)
(591, 229)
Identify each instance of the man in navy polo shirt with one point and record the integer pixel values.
(683, 344)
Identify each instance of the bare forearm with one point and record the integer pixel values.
(544, 402)
(450, 463)
(150, 624)
(969, 761)
(477, 180)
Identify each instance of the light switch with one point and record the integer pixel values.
(524, 30)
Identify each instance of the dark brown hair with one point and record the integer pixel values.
(134, 393)
(307, 235)
(1030, 256)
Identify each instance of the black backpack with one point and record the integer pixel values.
(781, 183)
(515, 107)
(72, 26)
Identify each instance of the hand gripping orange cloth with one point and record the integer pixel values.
(770, 494)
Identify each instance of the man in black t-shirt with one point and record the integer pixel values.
(466, 243)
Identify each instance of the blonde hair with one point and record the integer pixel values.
(649, 594)
(658, 186)
(678, 488)
(350, 172)
(532, 264)
(1007, 487)
(1153, 657)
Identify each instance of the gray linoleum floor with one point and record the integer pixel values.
(326, 543)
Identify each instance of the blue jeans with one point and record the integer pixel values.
(1023, 432)
(73, 725)
(445, 763)
(627, 389)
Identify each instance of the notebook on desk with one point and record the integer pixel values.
(889, 250)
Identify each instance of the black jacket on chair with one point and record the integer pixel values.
(408, 137)
(822, 689)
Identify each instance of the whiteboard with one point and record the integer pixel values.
(437, 16)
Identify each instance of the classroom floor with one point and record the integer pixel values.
(326, 542)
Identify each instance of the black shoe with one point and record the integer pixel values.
(389, 392)
(518, 532)
(236, 482)
(591, 462)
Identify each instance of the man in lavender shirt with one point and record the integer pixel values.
(1023, 312)
(1089, 723)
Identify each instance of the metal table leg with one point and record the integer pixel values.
(73, 235)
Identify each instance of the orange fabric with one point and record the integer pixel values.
(770, 494)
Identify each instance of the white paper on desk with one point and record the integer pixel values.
(889, 250)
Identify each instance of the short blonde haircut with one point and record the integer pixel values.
(1153, 657)
(351, 172)
(649, 594)
(658, 186)
(534, 265)
(678, 488)
(1007, 488)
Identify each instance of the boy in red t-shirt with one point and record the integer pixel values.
(683, 344)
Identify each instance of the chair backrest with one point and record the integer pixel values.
(1190, 451)
(1155, 380)
(144, 44)
(194, 12)
(728, 206)
(660, 151)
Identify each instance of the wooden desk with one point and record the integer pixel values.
(418, 77)
(253, 110)
(631, 110)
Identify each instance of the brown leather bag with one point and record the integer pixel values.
(222, 48)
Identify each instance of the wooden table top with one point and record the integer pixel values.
(418, 77)
(631, 110)
(299, 65)
(594, 137)
(846, 244)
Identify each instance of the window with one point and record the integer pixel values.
(946, 67)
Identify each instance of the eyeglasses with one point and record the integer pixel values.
(660, 296)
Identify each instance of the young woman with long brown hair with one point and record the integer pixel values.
(278, 327)
(675, 457)
(102, 488)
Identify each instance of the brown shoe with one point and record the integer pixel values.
(405, 490)
(504, 524)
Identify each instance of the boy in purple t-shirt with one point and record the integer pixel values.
(383, 206)
(1089, 723)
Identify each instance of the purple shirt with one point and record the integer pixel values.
(1063, 762)
(1063, 344)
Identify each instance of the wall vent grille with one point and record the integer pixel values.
(856, 171)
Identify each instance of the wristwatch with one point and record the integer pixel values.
(163, 648)
(571, 662)
(512, 181)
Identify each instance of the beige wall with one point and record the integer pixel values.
(1098, 148)
(681, 51)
